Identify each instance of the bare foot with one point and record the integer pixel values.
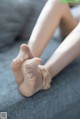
(23, 55)
(32, 77)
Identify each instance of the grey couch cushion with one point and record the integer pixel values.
(14, 14)
(37, 8)
(61, 101)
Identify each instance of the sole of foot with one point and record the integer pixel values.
(23, 55)
(32, 77)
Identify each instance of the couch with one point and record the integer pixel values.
(62, 100)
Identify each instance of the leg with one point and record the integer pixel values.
(68, 51)
(68, 22)
(36, 43)
(47, 23)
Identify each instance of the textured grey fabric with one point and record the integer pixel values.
(14, 14)
(61, 101)
(17, 18)
(37, 7)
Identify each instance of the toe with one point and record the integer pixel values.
(16, 61)
(24, 48)
(15, 64)
(34, 62)
(21, 59)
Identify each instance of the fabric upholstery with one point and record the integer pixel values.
(61, 101)
(14, 14)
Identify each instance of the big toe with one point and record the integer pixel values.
(26, 50)
(36, 61)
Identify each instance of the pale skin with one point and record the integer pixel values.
(25, 65)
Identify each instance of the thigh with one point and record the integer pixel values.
(68, 22)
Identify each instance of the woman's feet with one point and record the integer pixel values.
(23, 55)
(27, 72)
(32, 77)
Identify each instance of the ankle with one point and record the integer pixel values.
(45, 76)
